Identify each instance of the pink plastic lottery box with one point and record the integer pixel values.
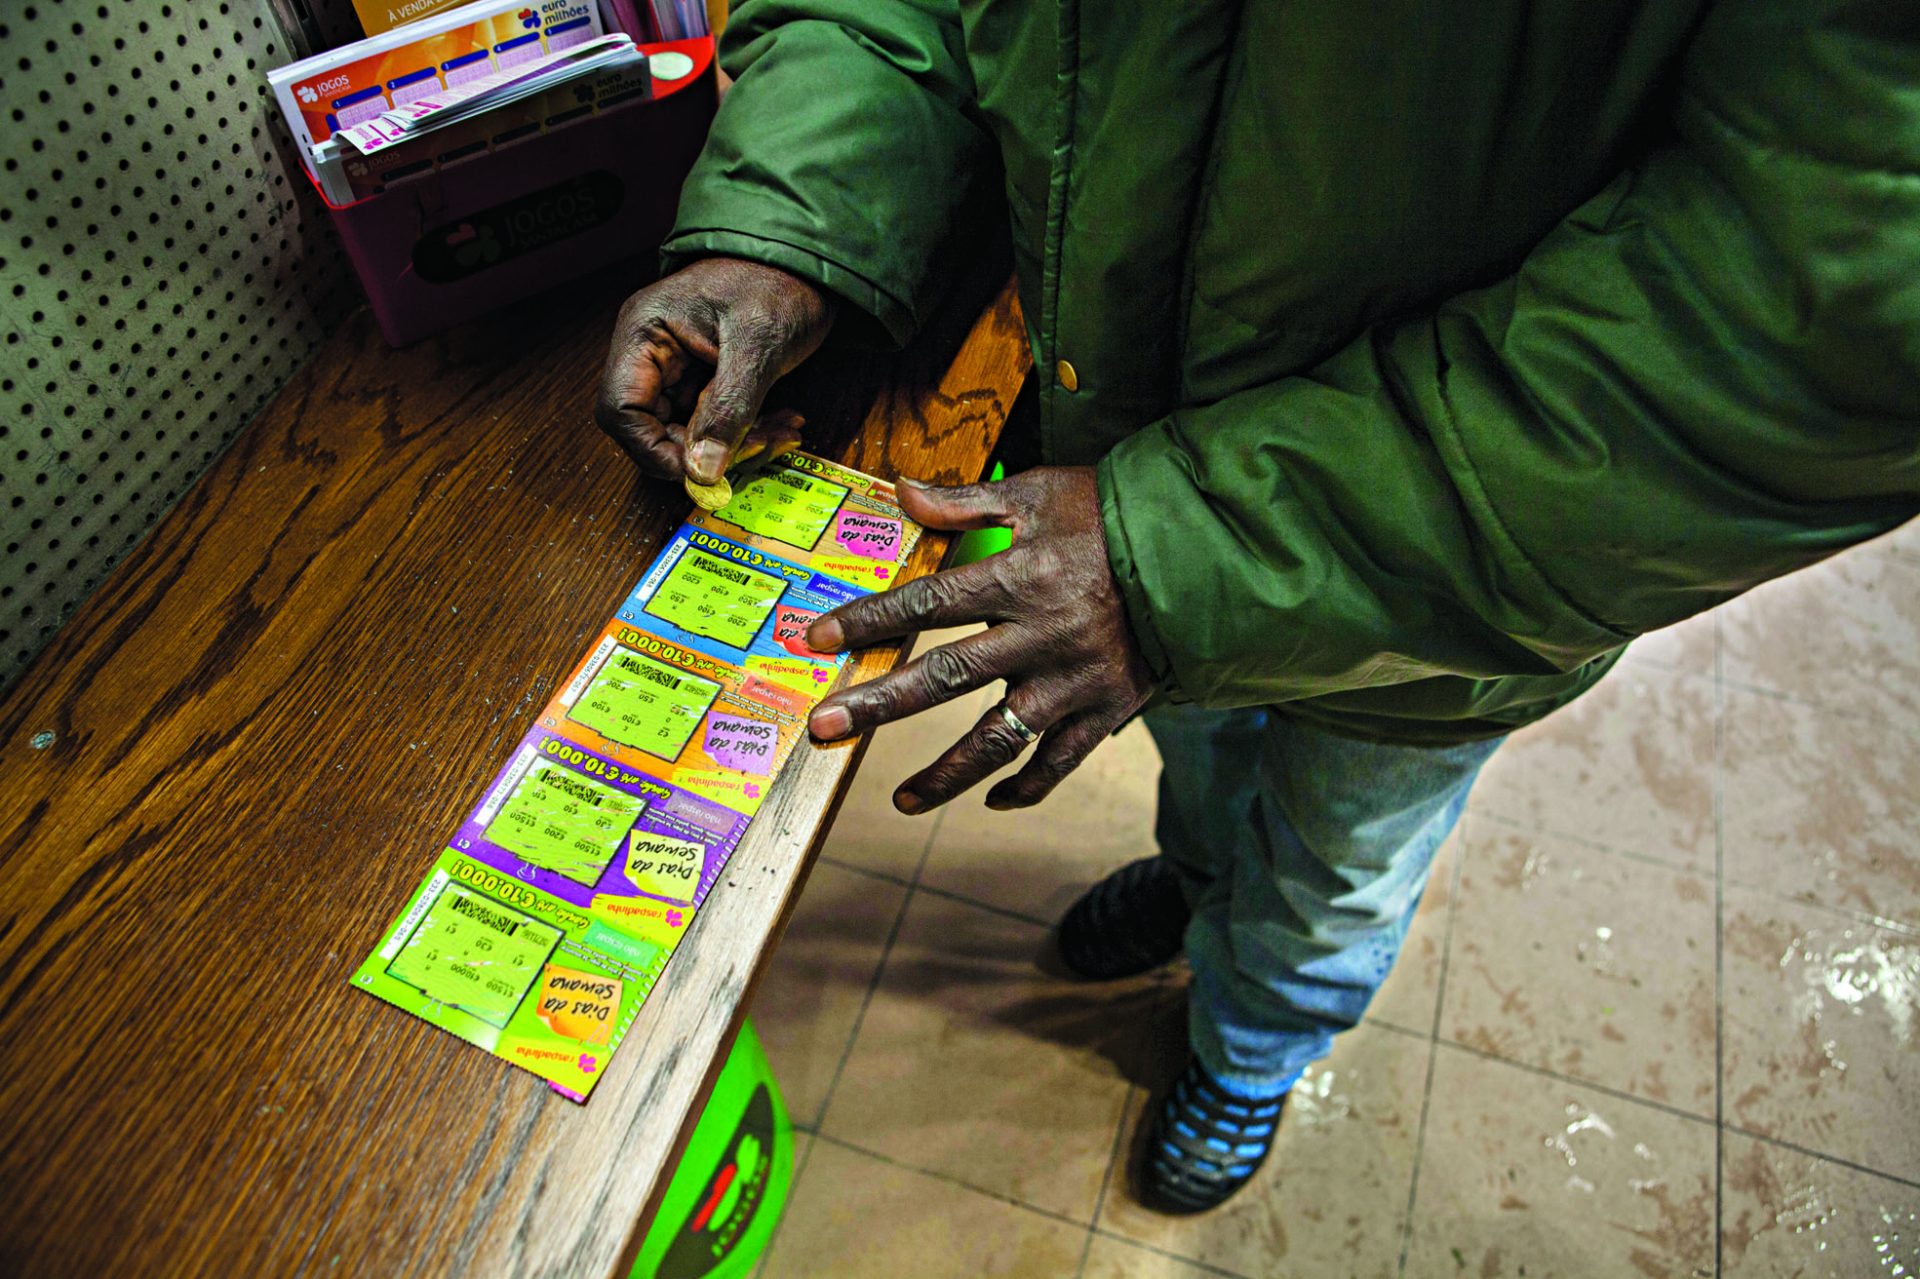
(461, 239)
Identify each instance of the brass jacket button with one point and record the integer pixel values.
(1069, 380)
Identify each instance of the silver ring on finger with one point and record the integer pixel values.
(1018, 725)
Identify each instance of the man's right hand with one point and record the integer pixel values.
(693, 356)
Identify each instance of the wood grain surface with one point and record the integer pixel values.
(264, 723)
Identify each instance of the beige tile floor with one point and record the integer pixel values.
(1659, 1014)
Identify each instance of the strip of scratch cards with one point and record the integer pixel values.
(552, 911)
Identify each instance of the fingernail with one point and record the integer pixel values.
(912, 483)
(707, 460)
(907, 802)
(830, 723)
(825, 635)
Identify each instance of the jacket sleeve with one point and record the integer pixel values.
(847, 151)
(1707, 376)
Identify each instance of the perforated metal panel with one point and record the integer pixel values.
(162, 277)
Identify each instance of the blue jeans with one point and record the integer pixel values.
(1303, 855)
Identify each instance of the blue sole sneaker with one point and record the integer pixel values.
(1206, 1143)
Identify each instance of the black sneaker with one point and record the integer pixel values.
(1131, 922)
(1206, 1144)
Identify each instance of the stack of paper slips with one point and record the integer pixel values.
(451, 105)
(553, 910)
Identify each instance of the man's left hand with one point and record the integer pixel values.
(1057, 634)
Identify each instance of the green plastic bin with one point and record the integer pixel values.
(728, 1192)
(977, 544)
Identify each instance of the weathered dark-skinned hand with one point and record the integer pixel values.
(693, 357)
(1058, 636)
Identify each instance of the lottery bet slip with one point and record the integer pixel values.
(553, 909)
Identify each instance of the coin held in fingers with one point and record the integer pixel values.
(710, 497)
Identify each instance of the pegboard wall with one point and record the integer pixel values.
(163, 275)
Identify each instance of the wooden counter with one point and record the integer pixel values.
(264, 724)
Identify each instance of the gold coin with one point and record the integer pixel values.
(710, 497)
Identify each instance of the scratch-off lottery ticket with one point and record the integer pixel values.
(735, 603)
(680, 716)
(835, 521)
(591, 832)
(518, 973)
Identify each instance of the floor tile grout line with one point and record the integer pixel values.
(1100, 1200)
(926, 849)
(1719, 951)
(853, 1033)
(855, 868)
(989, 907)
(1823, 1156)
(1859, 917)
(1896, 718)
(866, 1001)
(1395, 1028)
(915, 887)
(1612, 850)
(1464, 827)
(947, 893)
(950, 1179)
(1635, 663)
(1158, 1251)
(1667, 665)
(846, 1051)
(1453, 902)
(1665, 1107)
(1662, 863)
(873, 983)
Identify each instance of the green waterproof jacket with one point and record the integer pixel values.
(1429, 351)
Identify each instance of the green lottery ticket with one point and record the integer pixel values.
(717, 599)
(564, 822)
(835, 521)
(474, 954)
(787, 506)
(517, 972)
(643, 702)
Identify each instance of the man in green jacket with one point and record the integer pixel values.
(1396, 364)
